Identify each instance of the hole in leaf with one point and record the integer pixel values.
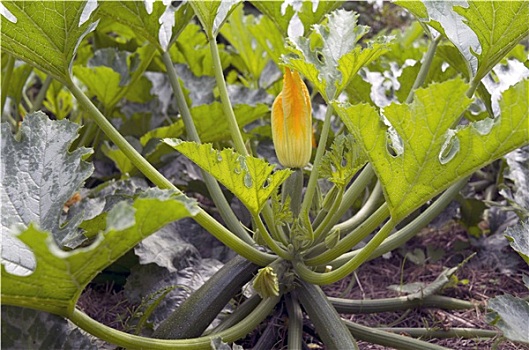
(449, 148)
(7, 14)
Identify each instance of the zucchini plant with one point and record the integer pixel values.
(356, 173)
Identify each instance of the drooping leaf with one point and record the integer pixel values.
(519, 238)
(249, 178)
(59, 277)
(46, 34)
(510, 315)
(428, 156)
(39, 175)
(330, 67)
(30, 329)
(154, 24)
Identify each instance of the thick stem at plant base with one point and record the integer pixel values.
(423, 72)
(406, 233)
(326, 320)
(212, 185)
(197, 312)
(368, 306)
(395, 341)
(295, 322)
(202, 217)
(330, 277)
(130, 341)
(313, 179)
(353, 238)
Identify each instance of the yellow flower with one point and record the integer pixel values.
(292, 122)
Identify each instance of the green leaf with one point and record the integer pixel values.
(249, 178)
(60, 277)
(59, 100)
(331, 66)
(281, 13)
(46, 34)
(269, 38)
(39, 174)
(428, 156)
(253, 57)
(510, 315)
(155, 25)
(18, 79)
(499, 25)
(518, 236)
(102, 82)
(343, 160)
(213, 14)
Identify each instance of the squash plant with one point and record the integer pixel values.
(418, 148)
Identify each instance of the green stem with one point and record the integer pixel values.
(406, 233)
(6, 80)
(136, 342)
(394, 341)
(295, 322)
(270, 242)
(367, 209)
(293, 187)
(352, 239)
(202, 218)
(224, 97)
(240, 313)
(330, 277)
(327, 222)
(214, 189)
(443, 333)
(368, 306)
(423, 72)
(313, 179)
(354, 191)
(473, 86)
(37, 104)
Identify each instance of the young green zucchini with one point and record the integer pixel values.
(200, 309)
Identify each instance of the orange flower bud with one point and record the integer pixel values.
(292, 122)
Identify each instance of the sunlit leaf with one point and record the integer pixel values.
(46, 34)
(428, 155)
(213, 14)
(249, 178)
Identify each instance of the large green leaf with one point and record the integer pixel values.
(39, 175)
(428, 154)
(45, 34)
(249, 178)
(483, 31)
(157, 24)
(59, 277)
(331, 66)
